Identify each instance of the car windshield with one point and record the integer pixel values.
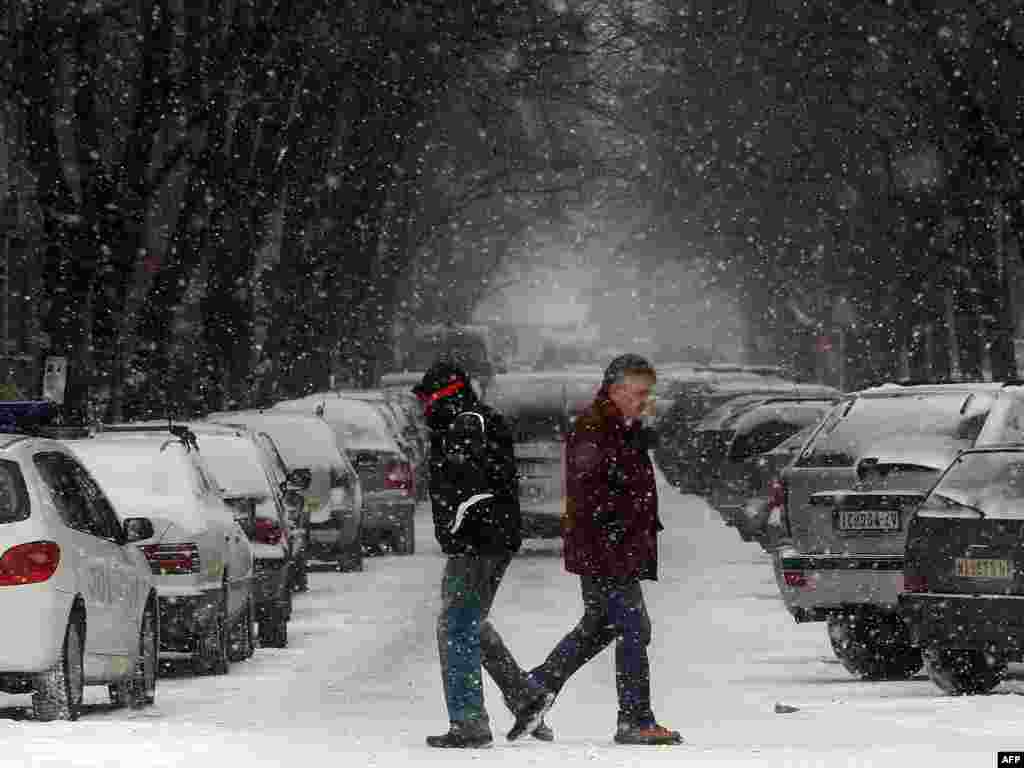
(235, 463)
(845, 435)
(990, 484)
(237, 466)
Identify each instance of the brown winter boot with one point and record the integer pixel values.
(653, 734)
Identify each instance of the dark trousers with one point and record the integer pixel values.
(613, 609)
(466, 640)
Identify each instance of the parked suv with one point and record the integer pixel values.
(847, 498)
(68, 563)
(964, 573)
(199, 554)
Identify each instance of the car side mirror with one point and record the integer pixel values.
(300, 478)
(137, 529)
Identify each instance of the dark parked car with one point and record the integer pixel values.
(731, 437)
(756, 481)
(245, 473)
(684, 402)
(964, 574)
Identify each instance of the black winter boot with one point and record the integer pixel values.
(463, 736)
(531, 715)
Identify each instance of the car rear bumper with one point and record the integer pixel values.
(812, 586)
(387, 514)
(329, 537)
(968, 622)
(33, 642)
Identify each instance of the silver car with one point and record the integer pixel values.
(385, 472)
(846, 500)
(77, 594)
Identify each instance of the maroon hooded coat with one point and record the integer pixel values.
(610, 522)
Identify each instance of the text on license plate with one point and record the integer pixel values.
(971, 568)
(869, 520)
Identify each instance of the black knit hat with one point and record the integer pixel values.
(440, 375)
(627, 363)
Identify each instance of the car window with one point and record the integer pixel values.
(104, 519)
(990, 484)
(14, 504)
(850, 429)
(762, 438)
(62, 478)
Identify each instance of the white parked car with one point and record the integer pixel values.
(199, 554)
(76, 594)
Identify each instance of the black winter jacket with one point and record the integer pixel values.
(494, 528)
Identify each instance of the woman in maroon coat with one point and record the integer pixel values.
(609, 529)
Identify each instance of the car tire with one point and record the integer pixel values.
(274, 630)
(403, 538)
(874, 645)
(213, 656)
(243, 639)
(964, 673)
(351, 560)
(300, 575)
(59, 691)
(142, 687)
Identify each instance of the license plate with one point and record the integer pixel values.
(971, 568)
(868, 519)
(534, 492)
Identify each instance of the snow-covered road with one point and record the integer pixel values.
(359, 683)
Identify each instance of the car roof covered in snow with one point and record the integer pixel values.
(304, 440)
(360, 424)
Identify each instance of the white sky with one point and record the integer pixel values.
(359, 683)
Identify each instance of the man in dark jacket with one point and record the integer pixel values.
(474, 496)
(609, 531)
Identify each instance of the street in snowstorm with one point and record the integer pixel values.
(359, 681)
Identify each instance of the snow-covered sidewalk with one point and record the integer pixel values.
(359, 683)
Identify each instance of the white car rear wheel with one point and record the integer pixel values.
(58, 694)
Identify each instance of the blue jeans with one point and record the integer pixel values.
(613, 610)
(467, 641)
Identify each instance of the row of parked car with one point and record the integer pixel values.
(894, 515)
(125, 547)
